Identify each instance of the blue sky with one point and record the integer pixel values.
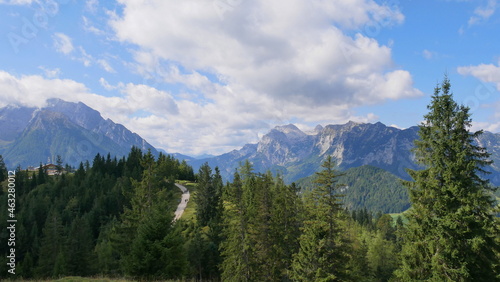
(198, 76)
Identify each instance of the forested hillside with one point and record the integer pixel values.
(98, 220)
(368, 187)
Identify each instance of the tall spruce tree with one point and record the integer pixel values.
(452, 229)
(236, 249)
(323, 252)
(52, 246)
(285, 223)
(205, 197)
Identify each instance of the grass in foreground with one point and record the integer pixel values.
(99, 279)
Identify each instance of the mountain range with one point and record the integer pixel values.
(373, 156)
(296, 154)
(30, 136)
(77, 133)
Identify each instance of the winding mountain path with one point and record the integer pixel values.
(184, 200)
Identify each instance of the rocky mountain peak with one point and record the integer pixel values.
(45, 119)
(289, 129)
(72, 130)
(317, 130)
(78, 113)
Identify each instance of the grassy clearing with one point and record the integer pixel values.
(402, 214)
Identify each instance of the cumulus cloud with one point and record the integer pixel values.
(149, 98)
(292, 52)
(33, 90)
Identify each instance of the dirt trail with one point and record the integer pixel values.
(184, 200)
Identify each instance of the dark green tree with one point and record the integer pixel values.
(323, 252)
(79, 249)
(381, 257)
(285, 225)
(157, 251)
(452, 229)
(42, 175)
(237, 249)
(59, 165)
(106, 256)
(203, 256)
(3, 170)
(52, 247)
(206, 196)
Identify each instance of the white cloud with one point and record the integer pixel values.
(483, 72)
(105, 65)
(286, 51)
(486, 126)
(33, 90)
(153, 100)
(91, 5)
(84, 57)
(105, 84)
(428, 54)
(397, 126)
(63, 43)
(483, 13)
(486, 73)
(18, 2)
(89, 27)
(50, 73)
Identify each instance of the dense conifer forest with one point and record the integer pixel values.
(114, 218)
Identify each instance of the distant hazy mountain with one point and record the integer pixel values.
(297, 154)
(74, 131)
